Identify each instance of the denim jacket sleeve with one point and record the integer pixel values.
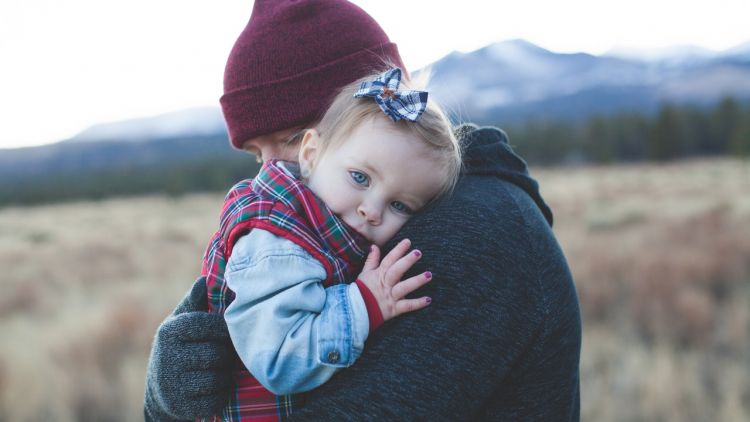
(291, 333)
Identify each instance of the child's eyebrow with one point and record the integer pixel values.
(367, 167)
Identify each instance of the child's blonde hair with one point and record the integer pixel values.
(433, 127)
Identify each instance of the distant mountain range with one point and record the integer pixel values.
(504, 84)
(194, 122)
(516, 81)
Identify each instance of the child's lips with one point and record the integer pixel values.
(361, 233)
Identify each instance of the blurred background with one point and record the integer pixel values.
(634, 117)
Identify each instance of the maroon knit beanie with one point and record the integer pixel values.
(291, 60)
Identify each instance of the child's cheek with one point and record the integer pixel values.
(395, 227)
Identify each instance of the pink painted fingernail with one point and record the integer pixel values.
(428, 274)
(417, 253)
(428, 299)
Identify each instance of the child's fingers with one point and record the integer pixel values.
(373, 259)
(396, 271)
(410, 305)
(397, 252)
(407, 286)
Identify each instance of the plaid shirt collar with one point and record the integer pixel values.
(280, 180)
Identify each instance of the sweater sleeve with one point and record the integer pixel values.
(291, 333)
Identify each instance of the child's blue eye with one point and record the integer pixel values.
(359, 178)
(401, 207)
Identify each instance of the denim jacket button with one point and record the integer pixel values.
(333, 356)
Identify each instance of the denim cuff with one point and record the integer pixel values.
(343, 328)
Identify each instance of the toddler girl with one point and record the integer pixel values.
(285, 267)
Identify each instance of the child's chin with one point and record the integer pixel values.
(364, 236)
(372, 241)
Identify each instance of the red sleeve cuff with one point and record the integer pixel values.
(373, 309)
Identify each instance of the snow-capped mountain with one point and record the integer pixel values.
(516, 81)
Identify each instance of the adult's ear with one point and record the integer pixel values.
(308, 152)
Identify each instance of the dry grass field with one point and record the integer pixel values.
(660, 254)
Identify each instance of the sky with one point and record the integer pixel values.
(68, 64)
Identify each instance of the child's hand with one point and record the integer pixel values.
(384, 280)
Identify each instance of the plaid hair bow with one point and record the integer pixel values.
(395, 104)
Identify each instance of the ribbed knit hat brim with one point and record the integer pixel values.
(301, 99)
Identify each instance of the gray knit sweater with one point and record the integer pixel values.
(501, 339)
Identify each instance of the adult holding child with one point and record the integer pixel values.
(501, 339)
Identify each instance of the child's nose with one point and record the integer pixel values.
(371, 213)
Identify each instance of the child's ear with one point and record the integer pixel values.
(308, 151)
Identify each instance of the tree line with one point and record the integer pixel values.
(210, 175)
(674, 132)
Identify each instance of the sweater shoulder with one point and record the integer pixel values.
(554, 282)
(508, 221)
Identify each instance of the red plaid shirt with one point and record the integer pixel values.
(280, 203)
